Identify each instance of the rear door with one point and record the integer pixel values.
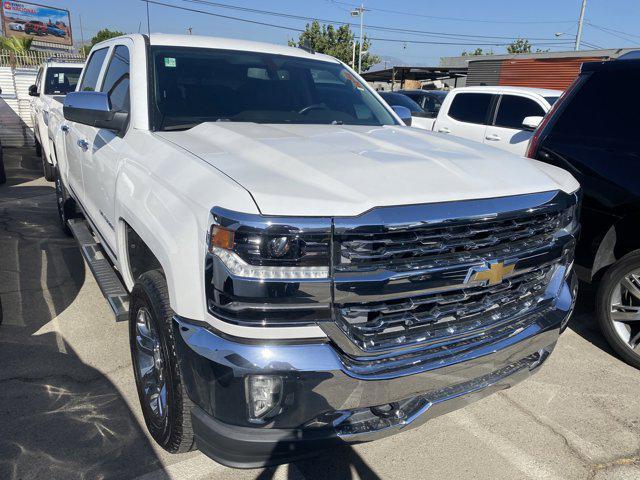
(76, 135)
(466, 116)
(507, 132)
(107, 149)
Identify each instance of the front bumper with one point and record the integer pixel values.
(328, 395)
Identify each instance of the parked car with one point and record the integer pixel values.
(35, 27)
(504, 117)
(18, 27)
(418, 115)
(592, 132)
(429, 100)
(53, 30)
(53, 81)
(299, 269)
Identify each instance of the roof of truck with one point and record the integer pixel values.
(543, 92)
(200, 41)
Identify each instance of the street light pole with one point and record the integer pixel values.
(580, 22)
(359, 12)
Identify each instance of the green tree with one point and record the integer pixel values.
(15, 44)
(477, 51)
(520, 45)
(101, 36)
(337, 42)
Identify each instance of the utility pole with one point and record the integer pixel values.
(359, 12)
(580, 23)
(81, 33)
(353, 56)
(189, 30)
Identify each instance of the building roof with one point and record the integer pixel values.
(413, 73)
(463, 61)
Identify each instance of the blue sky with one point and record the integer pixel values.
(503, 18)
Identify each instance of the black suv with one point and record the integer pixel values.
(593, 132)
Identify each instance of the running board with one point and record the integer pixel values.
(106, 277)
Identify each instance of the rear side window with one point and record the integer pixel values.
(605, 108)
(514, 109)
(92, 70)
(470, 107)
(61, 80)
(116, 79)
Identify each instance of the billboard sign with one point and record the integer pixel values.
(40, 22)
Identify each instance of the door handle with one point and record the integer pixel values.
(84, 145)
(493, 137)
(444, 130)
(64, 128)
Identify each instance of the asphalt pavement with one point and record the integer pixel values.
(69, 410)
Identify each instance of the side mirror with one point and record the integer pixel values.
(94, 109)
(33, 91)
(531, 123)
(404, 113)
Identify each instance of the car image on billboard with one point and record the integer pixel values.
(40, 22)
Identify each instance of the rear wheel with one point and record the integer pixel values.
(47, 169)
(618, 307)
(66, 205)
(165, 405)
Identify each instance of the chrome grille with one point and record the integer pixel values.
(403, 275)
(449, 314)
(424, 243)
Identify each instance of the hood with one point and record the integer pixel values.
(336, 170)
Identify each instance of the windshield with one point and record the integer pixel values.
(397, 99)
(194, 85)
(61, 80)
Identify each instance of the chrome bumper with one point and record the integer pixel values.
(330, 395)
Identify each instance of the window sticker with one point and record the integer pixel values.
(354, 81)
(169, 62)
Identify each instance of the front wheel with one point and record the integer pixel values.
(165, 405)
(48, 170)
(618, 307)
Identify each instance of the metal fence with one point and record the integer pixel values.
(17, 72)
(34, 58)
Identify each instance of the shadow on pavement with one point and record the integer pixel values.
(59, 417)
(584, 321)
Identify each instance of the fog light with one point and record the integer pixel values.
(264, 396)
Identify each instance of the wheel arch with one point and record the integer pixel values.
(618, 241)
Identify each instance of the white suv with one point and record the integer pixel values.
(504, 117)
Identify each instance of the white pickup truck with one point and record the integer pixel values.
(297, 268)
(55, 78)
(503, 117)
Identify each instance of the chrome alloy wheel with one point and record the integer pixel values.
(150, 366)
(625, 310)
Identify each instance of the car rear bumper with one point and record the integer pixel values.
(328, 396)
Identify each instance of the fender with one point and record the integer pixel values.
(155, 193)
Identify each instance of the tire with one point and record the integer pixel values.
(38, 148)
(48, 170)
(66, 205)
(611, 292)
(150, 323)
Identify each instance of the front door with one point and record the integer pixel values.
(467, 116)
(107, 149)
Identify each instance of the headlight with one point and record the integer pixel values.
(271, 248)
(263, 271)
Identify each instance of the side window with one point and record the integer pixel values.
(601, 111)
(92, 70)
(116, 79)
(470, 107)
(514, 109)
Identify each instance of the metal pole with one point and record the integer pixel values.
(361, 9)
(580, 22)
(148, 21)
(353, 56)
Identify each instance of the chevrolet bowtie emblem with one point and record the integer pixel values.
(494, 274)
